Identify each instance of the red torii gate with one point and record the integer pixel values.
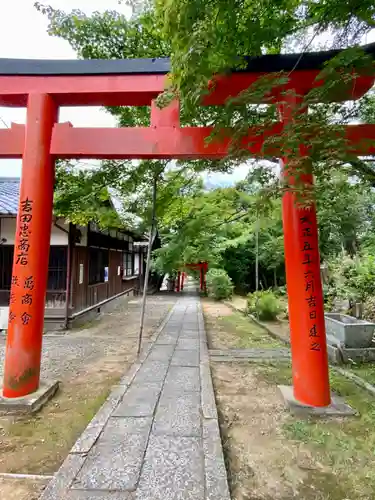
(44, 86)
(203, 267)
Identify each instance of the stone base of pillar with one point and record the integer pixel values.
(337, 408)
(30, 403)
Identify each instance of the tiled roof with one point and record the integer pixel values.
(9, 195)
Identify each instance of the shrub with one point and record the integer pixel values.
(353, 279)
(280, 291)
(369, 309)
(263, 304)
(219, 285)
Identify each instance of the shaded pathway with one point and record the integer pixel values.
(157, 436)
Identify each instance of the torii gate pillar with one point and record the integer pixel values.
(31, 252)
(305, 295)
(178, 288)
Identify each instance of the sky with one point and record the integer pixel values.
(23, 34)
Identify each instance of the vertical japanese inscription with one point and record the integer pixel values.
(23, 246)
(310, 283)
(22, 258)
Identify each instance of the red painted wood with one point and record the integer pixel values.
(301, 82)
(12, 141)
(305, 295)
(140, 90)
(174, 143)
(145, 143)
(114, 90)
(31, 252)
(161, 142)
(168, 116)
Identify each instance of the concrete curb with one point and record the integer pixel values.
(216, 479)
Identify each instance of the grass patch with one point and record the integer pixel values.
(365, 371)
(249, 334)
(345, 447)
(47, 437)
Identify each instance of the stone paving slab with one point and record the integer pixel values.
(185, 358)
(110, 466)
(139, 401)
(161, 353)
(99, 495)
(173, 469)
(182, 379)
(157, 436)
(256, 353)
(178, 415)
(165, 339)
(118, 429)
(151, 371)
(188, 343)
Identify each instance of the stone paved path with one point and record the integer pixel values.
(254, 354)
(157, 435)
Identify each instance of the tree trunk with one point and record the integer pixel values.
(264, 281)
(257, 255)
(148, 263)
(275, 277)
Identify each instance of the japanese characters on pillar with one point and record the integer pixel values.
(20, 278)
(310, 282)
(31, 252)
(302, 266)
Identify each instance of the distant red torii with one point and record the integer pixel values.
(203, 268)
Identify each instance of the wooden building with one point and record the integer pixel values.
(88, 268)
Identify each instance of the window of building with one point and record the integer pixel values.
(128, 264)
(6, 264)
(136, 264)
(57, 268)
(98, 261)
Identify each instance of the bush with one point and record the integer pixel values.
(263, 304)
(219, 285)
(280, 291)
(352, 279)
(369, 309)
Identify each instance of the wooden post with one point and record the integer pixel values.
(31, 252)
(205, 268)
(69, 262)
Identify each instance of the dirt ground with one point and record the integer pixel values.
(21, 489)
(262, 464)
(88, 362)
(280, 327)
(272, 455)
(229, 329)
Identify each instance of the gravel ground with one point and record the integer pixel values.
(71, 352)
